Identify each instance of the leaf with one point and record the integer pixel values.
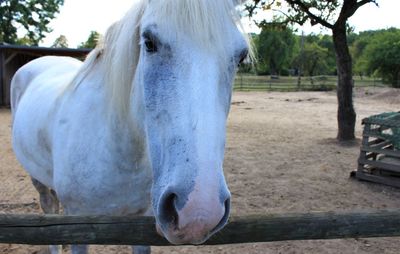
(33, 16)
(267, 7)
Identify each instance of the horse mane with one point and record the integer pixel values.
(203, 20)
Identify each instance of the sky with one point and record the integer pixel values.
(77, 18)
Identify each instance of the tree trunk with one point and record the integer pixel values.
(346, 115)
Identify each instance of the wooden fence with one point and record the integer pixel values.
(106, 230)
(248, 82)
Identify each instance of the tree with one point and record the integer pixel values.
(275, 46)
(29, 16)
(92, 40)
(312, 59)
(60, 42)
(332, 14)
(325, 41)
(382, 56)
(357, 53)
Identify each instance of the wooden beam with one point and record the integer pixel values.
(10, 58)
(380, 165)
(2, 79)
(392, 153)
(379, 143)
(106, 230)
(386, 180)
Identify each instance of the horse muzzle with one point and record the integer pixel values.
(200, 217)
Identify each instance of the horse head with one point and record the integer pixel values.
(185, 63)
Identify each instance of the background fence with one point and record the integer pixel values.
(248, 82)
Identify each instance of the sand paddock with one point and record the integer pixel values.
(281, 156)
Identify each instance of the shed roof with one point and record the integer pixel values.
(40, 51)
(13, 57)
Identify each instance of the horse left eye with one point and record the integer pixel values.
(243, 55)
(150, 46)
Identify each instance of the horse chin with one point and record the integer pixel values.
(180, 238)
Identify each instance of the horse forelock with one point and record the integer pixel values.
(205, 21)
(120, 57)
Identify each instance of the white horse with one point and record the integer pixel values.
(140, 124)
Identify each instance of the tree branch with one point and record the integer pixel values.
(363, 2)
(252, 7)
(304, 8)
(350, 7)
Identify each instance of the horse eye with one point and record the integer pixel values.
(150, 46)
(243, 55)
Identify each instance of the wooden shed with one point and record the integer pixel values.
(12, 57)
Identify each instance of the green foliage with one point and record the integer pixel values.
(382, 56)
(312, 59)
(60, 42)
(92, 40)
(326, 42)
(283, 48)
(374, 53)
(332, 14)
(357, 49)
(275, 47)
(377, 53)
(320, 88)
(31, 17)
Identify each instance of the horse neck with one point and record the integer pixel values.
(122, 128)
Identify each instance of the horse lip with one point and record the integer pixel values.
(177, 237)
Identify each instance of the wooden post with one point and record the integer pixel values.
(363, 154)
(106, 230)
(2, 79)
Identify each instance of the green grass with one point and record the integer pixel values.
(248, 82)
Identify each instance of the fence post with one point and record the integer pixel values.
(2, 79)
(241, 81)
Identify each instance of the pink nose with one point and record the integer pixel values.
(199, 218)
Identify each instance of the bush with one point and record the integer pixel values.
(320, 88)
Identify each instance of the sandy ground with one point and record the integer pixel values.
(281, 157)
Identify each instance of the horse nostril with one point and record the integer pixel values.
(225, 218)
(167, 210)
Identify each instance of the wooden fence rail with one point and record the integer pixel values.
(108, 230)
(249, 82)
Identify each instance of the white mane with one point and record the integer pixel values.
(203, 20)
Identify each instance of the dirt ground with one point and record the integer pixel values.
(281, 157)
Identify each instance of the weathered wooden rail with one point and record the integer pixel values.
(107, 230)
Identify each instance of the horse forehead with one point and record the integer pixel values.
(171, 32)
(200, 27)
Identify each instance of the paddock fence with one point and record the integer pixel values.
(249, 82)
(111, 230)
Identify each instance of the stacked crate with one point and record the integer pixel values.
(379, 159)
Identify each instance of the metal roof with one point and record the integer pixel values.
(33, 50)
